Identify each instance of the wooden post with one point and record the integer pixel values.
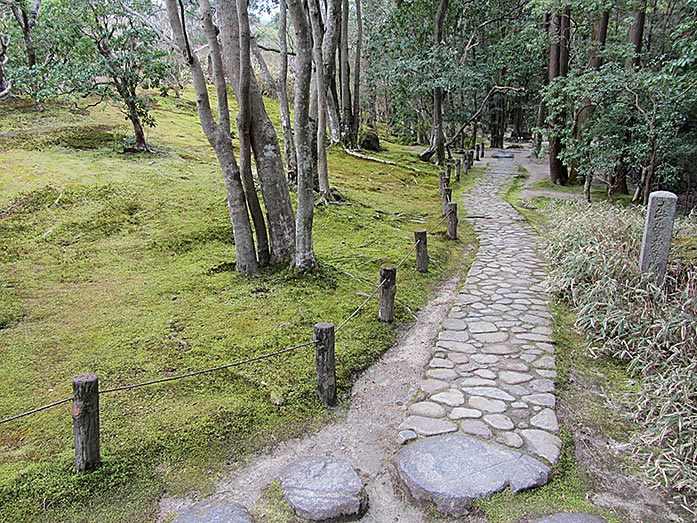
(458, 169)
(85, 413)
(387, 293)
(481, 150)
(421, 250)
(325, 363)
(476, 153)
(452, 221)
(441, 183)
(448, 171)
(447, 197)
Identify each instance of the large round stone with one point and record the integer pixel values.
(453, 470)
(214, 511)
(320, 488)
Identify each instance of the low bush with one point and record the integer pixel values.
(594, 256)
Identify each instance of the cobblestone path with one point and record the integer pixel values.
(492, 371)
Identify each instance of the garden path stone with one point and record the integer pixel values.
(453, 470)
(214, 511)
(320, 488)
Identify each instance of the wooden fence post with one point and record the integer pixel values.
(476, 153)
(452, 220)
(447, 197)
(481, 150)
(85, 412)
(448, 171)
(458, 169)
(441, 183)
(387, 293)
(325, 363)
(421, 250)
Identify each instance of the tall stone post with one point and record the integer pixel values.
(657, 234)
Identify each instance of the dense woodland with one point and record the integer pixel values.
(286, 92)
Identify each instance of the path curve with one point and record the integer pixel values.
(486, 371)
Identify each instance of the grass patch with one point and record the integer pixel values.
(123, 265)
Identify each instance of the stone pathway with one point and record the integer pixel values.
(484, 417)
(492, 372)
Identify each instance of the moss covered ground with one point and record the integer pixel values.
(123, 265)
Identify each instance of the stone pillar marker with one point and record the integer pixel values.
(657, 234)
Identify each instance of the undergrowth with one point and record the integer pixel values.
(594, 258)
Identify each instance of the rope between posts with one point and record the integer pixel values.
(213, 369)
(358, 309)
(45, 407)
(236, 363)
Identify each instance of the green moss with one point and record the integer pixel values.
(123, 265)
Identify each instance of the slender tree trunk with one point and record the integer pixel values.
(437, 137)
(139, 143)
(636, 38)
(357, 72)
(288, 140)
(243, 126)
(264, 142)
(321, 86)
(269, 82)
(218, 134)
(304, 249)
(558, 65)
(542, 108)
(333, 118)
(347, 136)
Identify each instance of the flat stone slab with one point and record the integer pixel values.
(568, 517)
(214, 511)
(453, 470)
(320, 488)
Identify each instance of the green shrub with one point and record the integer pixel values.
(594, 254)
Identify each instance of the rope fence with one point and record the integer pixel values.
(85, 410)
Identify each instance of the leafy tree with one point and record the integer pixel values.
(110, 53)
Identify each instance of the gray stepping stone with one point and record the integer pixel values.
(453, 470)
(543, 444)
(320, 488)
(451, 398)
(428, 426)
(475, 428)
(546, 419)
(568, 517)
(427, 409)
(214, 511)
(405, 436)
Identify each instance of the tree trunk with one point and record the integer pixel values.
(243, 127)
(636, 37)
(269, 82)
(347, 136)
(218, 134)
(557, 170)
(357, 72)
(139, 143)
(542, 108)
(304, 249)
(437, 137)
(264, 142)
(288, 140)
(321, 86)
